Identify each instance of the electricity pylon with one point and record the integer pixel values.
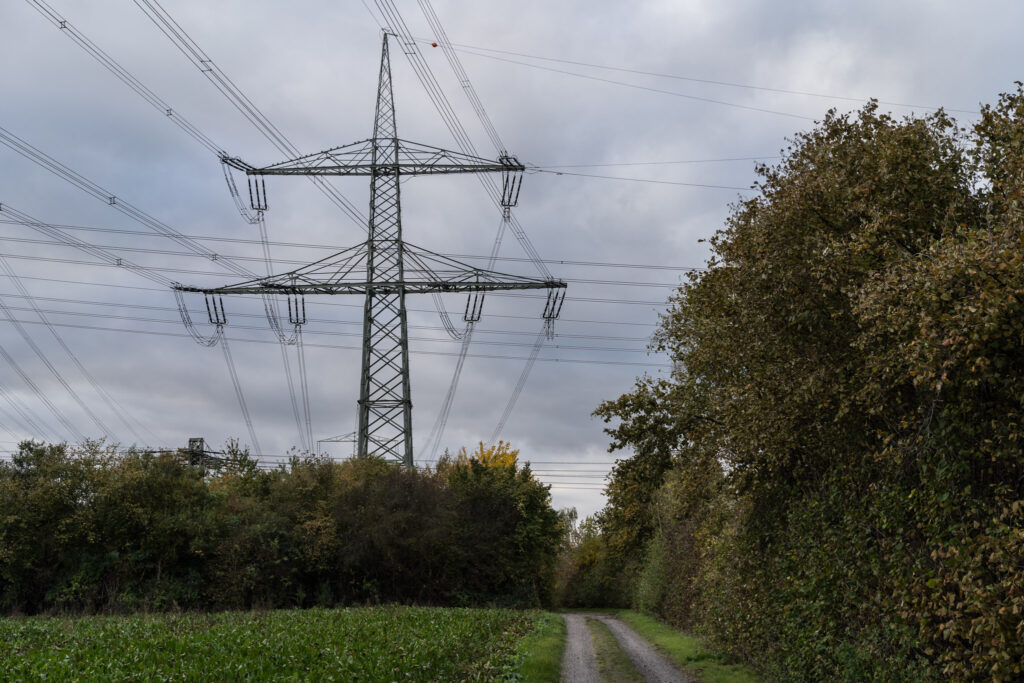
(385, 267)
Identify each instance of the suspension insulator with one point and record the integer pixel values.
(215, 310)
(474, 307)
(553, 305)
(512, 180)
(257, 193)
(297, 309)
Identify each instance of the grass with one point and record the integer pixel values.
(687, 651)
(366, 644)
(542, 650)
(612, 662)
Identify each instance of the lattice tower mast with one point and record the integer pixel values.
(385, 268)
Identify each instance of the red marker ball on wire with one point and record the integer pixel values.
(433, 45)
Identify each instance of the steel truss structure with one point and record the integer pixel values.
(384, 268)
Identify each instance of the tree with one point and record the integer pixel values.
(850, 365)
(507, 529)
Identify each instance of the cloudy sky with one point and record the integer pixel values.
(670, 103)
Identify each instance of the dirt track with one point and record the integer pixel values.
(579, 664)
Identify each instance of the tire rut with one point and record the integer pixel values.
(579, 663)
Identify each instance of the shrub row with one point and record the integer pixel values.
(89, 529)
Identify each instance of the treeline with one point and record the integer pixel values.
(831, 483)
(91, 529)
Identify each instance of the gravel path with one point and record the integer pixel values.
(580, 666)
(578, 663)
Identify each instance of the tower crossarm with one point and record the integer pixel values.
(425, 272)
(357, 159)
(377, 287)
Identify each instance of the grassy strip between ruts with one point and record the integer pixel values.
(612, 662)
(542, 649)
(686, 650)
(366, 644)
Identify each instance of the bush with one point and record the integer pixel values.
(89, 529)
(851, 366)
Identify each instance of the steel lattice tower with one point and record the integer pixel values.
(385, 267)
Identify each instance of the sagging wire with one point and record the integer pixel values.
(218, 318)
(446, 321)
(238, 390)
(154, 100)
(552, 309)
(471, 316)
(250, 216)
(299, 349)
(167, 25)
(190, 327)
(437, 431)
(104, 430)
(256, 216)
(521, 382)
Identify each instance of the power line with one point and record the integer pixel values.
(180, 271)
(334, 248)
(88, 314)
(571, 361)
(624, 84)
(220, 80)
(192, 271)
(106, 431)
(138, 215)
(330, 303)
(477, 50)
(645, 180)
(125, 76)
(649, 163)
(322, 321)
(236, 257)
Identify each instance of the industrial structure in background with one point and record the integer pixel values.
(384, 268)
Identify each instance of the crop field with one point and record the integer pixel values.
(359, 644)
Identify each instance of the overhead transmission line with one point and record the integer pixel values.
(477, 50)
(154, 100)
(550, 166)
(203, 61)
(328, 303)
(515, 295)
(104, 429)
(422, 352)
(138, 318)
(306, 245)
(324, 321)
(634, 86)
(235, 257)
(220, 80)
(124, 75)
(642, 180)
(138, 215)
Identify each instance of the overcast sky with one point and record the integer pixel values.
(725, 83)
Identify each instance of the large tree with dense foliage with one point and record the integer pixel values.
(844, 421)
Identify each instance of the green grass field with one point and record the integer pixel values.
(364, 644)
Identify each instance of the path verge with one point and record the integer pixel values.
(687, 651)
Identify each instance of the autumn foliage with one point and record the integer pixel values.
(831, 483)
(91, 529)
